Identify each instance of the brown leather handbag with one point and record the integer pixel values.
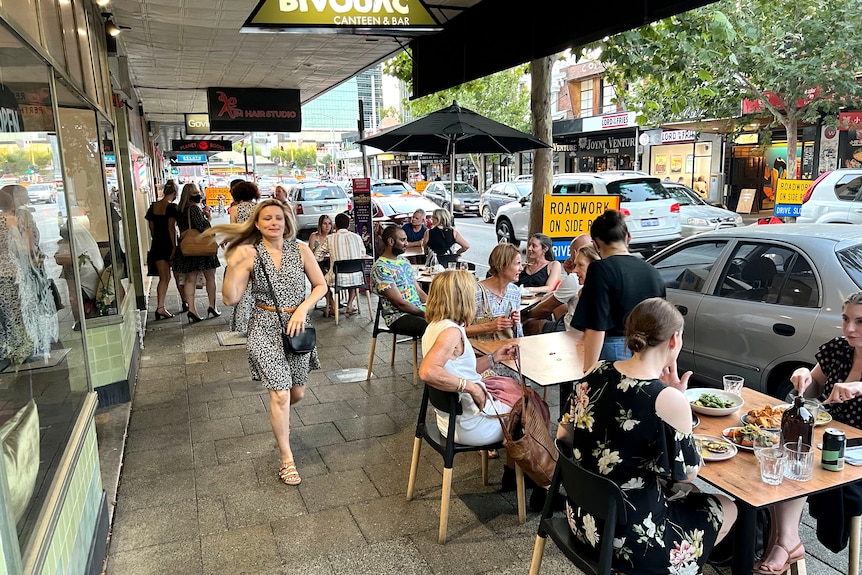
(193, 243)
(526, 434)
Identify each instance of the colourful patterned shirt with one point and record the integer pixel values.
(398, 273)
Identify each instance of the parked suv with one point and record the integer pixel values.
(501, 194)
(834, 198)
(466, 197)
(310, 200)
(652, 215)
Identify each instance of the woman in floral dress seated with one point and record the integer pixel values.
(630, 422)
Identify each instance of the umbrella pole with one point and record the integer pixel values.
(452, 182)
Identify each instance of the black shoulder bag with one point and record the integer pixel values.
(301, 343)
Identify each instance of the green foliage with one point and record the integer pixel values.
(19, 161)
(703, 63)
(499, 96)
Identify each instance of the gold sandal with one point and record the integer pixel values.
(288, 474)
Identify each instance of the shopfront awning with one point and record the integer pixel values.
(495, 35)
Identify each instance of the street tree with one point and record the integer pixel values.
(799, 61)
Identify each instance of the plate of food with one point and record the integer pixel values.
(743, 437)
(768, 417)
(823, 416)
(714, 448)
(713, 401)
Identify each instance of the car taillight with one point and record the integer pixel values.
(674, 209)
(297, 209)
(810, 189)
(625, 212)
(349, 205)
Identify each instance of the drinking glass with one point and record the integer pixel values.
(814, 407)
(800, 461)
(452, 266)
(733, 383)
(764, 440)
(772, 465)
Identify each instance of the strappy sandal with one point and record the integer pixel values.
(288, 474)
(764, 569)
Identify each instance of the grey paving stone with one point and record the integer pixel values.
(146, 418)
(211, 515)
(160, 438)
(256, 505)
(391, 478)
(215, 429)
(311, 414)
(222, 479)
(394, 557)
(245, 387)
(144, 386)
(210, 393)
(335, 489)
(339, 392)
(196, 357)
(205, 454)
(467, 551)
(154, 525)
(176, 557)
(161, 399)
(307, 537)
(235, 407)
(163, 360)
(245, 447)
(198, 411)
(394, 516)
(154, 463)
(382, 403)
(308, 463)
(254, 423)
(242, 550)
(163, 489)
(364, 427)
(162, 372)
(355, 454)
(312, 436)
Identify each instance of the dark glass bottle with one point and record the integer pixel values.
(797, 422)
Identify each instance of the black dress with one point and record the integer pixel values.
(440, 241)
(537, 279)
(161, 245)
(185, 264)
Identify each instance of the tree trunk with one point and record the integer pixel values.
(540, 105)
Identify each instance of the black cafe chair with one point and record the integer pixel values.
(447, 401)
(591, 493)
(445, 259)
(381, 327)
(346, 267)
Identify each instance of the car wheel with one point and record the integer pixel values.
(505, 232)
(486, 215)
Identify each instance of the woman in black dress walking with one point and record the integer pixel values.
(192, 216)
(162, 218)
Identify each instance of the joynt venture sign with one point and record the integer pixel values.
(381, 17)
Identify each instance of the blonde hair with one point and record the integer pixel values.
(452, 296)
(188, 191)
(444, 218)
(247, 232)
(589, 252)
(501, 256)
(853, 299)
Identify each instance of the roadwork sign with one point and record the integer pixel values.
(570, 216)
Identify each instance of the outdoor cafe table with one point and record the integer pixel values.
(547, 359)
(739, 477)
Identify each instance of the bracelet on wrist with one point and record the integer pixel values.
(491, 361)
(462, 385)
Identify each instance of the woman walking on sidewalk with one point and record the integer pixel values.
(264, 256)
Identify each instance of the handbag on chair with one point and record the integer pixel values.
(193, 243)
(526, 436)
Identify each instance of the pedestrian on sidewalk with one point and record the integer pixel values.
(264, 256)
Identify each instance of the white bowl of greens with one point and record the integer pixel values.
(716, 402)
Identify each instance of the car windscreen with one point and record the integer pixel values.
(388, 189)
(680, 196)
(638, 190)
(462, 189)
(406, 207)
(851, 260)
(322, 193)
(524, 188)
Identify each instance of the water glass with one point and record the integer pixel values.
(452, 266)
(733, 383)
(763, 440)
(814, 407)
(800, 461)
(772, 465)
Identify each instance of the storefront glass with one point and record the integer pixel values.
(41, 347)
(688, 163)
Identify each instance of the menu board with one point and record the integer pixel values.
(746, 198)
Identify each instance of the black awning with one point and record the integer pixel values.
(496, 35)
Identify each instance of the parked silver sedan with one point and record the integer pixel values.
(758, 301)
(696, 216)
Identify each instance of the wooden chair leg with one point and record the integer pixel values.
(444, 505)
(335, 304)
(371, 357)
(484, 455)
(853, 549)
(538, 553)
(415, 362)
(414, 465)
(394, 343)
(798, 568)
(522, 503)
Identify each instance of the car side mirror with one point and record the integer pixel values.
(523, 201)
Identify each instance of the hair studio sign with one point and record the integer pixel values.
(254, 110)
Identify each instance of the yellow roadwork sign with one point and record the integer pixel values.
(569, 216)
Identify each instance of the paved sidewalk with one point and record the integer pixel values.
(198, 491)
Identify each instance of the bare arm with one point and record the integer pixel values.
(553, 278)
(500, 323)
(461, 242)
(393, 295)
(318, 290)
(809, 383)
(232, 212)
(432, 370)
(673, 408)
(240, 264)
(544, 309)
(593, 342)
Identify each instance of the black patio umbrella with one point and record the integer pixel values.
(454, 130)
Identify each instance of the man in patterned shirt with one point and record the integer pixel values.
(392, 278)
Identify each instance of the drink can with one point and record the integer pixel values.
(832, 455)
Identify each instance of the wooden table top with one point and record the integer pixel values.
(547, 358)
(740, 475)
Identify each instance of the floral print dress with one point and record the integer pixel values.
(617, 434)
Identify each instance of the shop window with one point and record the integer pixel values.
(53, 34)
(41, 348)
(85, 40)
(70, 40)
(23, 13)
(586, 98)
